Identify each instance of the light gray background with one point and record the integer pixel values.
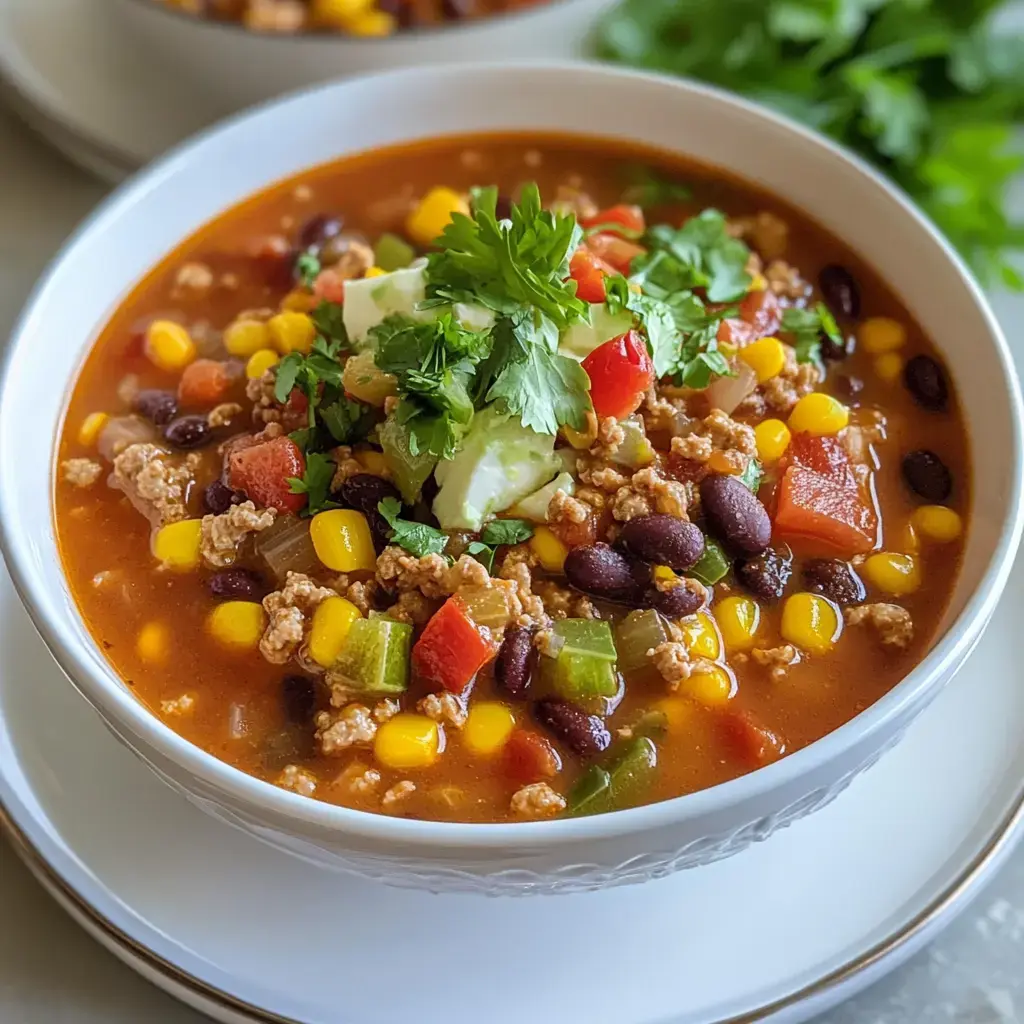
(52, 973)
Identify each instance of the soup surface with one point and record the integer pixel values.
(457, 502)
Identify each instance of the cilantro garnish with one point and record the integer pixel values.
(806, 327)
(308, 266)
(649, 189)
(496, 533)
(328, 317)
(752, 475)
(315, 483)
(307, 373)
(417, 538)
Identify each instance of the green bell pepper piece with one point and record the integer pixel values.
(375, 658)
(712, 565)
(620, 784)
(392, 253)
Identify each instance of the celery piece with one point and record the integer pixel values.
(712, 565)
(635, 635)
(620, 784)
(375, 658)
(409, 471)
(392, 253)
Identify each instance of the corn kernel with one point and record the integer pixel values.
(432, 215)
(407, 741)
(711, 687)
(937, 523)
(758, 283)
(810, 622)
(766, 357)
(889, 366)
(244, 338)
(332, 621)
(881, 334)
(738, 619)
(375, 272)
(177, 545)
(299, 301)
(488, 727)
(338, 13)
(678, 712)
(373, 461)
(700, 637)
(342, 540)
(153, 643)
(818, 414)
(892, 573)
(911, 542)
(580, 439)
(663, 572)
(549, 549)
(260, 362)
(292, 332)
(237, 624)
(91, 426)
(168, 346)
(373, 23)
(772, 437)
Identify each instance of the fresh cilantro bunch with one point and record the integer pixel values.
(924, 89)
(417, 538)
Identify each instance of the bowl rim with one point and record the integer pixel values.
(102, 688)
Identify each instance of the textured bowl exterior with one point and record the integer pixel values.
(148, 217)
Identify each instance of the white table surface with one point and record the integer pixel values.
(52, 973)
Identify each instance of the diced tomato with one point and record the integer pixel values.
(631, 218)
(452, 648)
(825, 455)
(762, 311)
(817, 515)
(617, 252)
(589, 273)
(529, 757)
(620, 374)
(205, 383)
(736, 332)
(751, 741)
(263, 471)
(329, 286)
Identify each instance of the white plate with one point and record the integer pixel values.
(249, 934)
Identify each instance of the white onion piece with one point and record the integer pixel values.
(726, 393)
(238, 725)
(121, 431)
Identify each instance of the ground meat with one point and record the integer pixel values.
(183, 705)
(413, 608)
(359, 780)
(528, 608)
(155, 482)
(355, 260)
(345, 466)
(385, 709)
(538, 800)
(693, 447)
(727, 433)
(222, 415)
(785, 280)
(275, 15)
(193, 280)
(892, 622)
(764, 231)
(298, 780)
(430, 574)
(290, 610)
(444, 708)
(361, 594)
(81, 472)
(610, 438)
(222, 534)
(397, 793)
(648, 491)
(353, 725)
(563, 603)
(592, 497)
(663, 414)
(565, 509)
(602, 475)
(672, 661)
(782, 392)
(777, 660)
(267, 409)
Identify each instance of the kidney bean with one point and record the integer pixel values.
(299, 697)
(512, 667)
(584, 734)
(833, 579)
(925, 379)
(188, 432)
(240, 584)
(674, 603)
(602, 572)
(218, 497)
(734, 514)
(766, 575)
(842, 294)
(364, 492)
(159, 407)
(663, 539)
(927, 476)
(317, 230)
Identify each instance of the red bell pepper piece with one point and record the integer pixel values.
(589, 273)
(529, 757)
(620, 373)
(630, 218)
(452, 648)
(751, 741)
(617, 252)
(262, 471)
(825, 455)
(817, 514)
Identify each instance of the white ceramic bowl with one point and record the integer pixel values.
(152, 213)
(237, 67)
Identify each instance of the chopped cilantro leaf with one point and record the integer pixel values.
(806, 327)
(483, 553)
(344, 419)
(328, 320)
(308, 266)
(287, 375)
(649, 189)
(315, 483)
(752, 475)
(506, 531)
(417, 538)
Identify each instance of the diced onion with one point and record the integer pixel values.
(726, 393)
(121, 431)
(287, 547)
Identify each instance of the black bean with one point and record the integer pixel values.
(675, 602)
(926, 382)
(833, 579)
(927, 476)
(218, 497)
(766, 575)
(584, 734)
(364, 492)
(299, 697)
(241, 584)
(831, 350)
(601, 571)
(188, 432)
(318, 230)
(842, 294)
(663, 539)
(157, 406)
(512, 668)
(734, 514)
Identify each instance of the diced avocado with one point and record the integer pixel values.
(369, 300)
(581, 339)
(500, 461)
(409, 471)
(535, 506)
(375, 658)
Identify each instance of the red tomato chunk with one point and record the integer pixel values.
(629, 218)
(620, 373)
(263, 472)
(452, 648)
(589, 273)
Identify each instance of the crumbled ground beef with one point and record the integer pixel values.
(662, 413)
(354, 725)
(155, 482)
(361, 593)
(359, 780)
(290, 611)
(345, 466)
(396, 794)
(412, 607)
(298, 780)
(444, 708)
(892, 622)
(222, 534)
(781, 393)
(223, 415)
(610, 438)
(785, 280)
(764, 231)
(562, 603)
(430, 574)
(778, 660)
(81, 472)
(693, 447)
(193, 280)
(601, 475)
(267, 409)
(673, 662)
(563, 508)
(528, 609)
(385, 709)
(538, 800)
(648, 491)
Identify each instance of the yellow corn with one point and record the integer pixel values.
(342, 540)
(772, 437)
(373, 461)
(177, 545)
(432, 215)
(363, 380)
(332, 621)
(895, 574)
(299, 301)
(738, 619)
(580, 439)
(811, 623)
(153, 643)
(292, 332)
(712, 687)
(237, 624)
(549, 549)
(889, 366)
(758, 283)
(911, 542)
(339, 13)
(678, 712)
(700, 636)
(818, 414)
(260, 362)
(245, 338)
(90, 429)
(407, 741)
(169, 346)
(488, 727)
(766, 357)
(937, 523)
(663, 572)
(881, 334)
(375, 272)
